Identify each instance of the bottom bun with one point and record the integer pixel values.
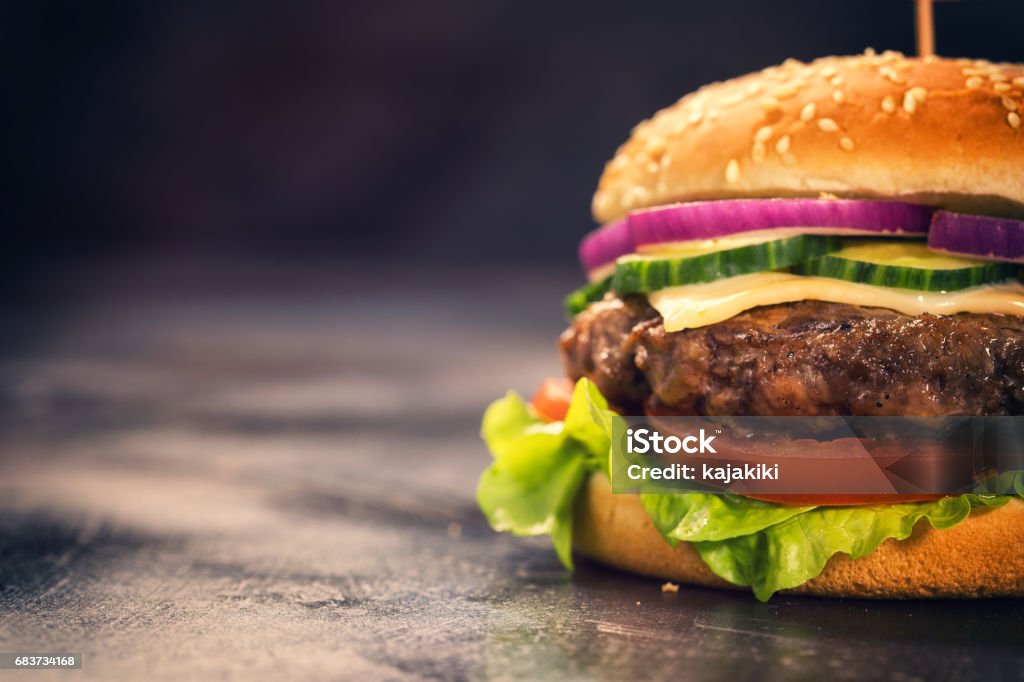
(981, 557)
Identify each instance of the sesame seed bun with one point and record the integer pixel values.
(980, 557)
(941, 131)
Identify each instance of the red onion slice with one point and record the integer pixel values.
(977, 236)
(605, 244)
(710, 219)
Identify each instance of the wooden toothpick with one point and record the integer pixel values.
(925, 29)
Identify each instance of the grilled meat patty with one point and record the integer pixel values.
(803, 358)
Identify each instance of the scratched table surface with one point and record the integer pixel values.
(262, 474)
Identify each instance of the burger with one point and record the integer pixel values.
(834, 238)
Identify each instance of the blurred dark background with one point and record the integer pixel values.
(439, 132)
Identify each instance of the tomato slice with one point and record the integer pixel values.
(800, 500)
(551, 401)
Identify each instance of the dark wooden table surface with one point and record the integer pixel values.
(263, 474)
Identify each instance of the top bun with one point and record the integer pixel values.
(946, 132)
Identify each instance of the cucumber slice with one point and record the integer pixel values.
(577, 301)
(906, 266)
(651, 273)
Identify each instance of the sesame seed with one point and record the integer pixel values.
(828, 71)
(909, 103)
(763, 134)
(846, 144)
(695, 117)
(782, 146)
(1001, 87)
(784, 91)
(808, 111)
(887, 72)
(733, 99)
(732, 171)
(753, 88)
(974, 82)
(918, 93)
(636, 196)
(870, 51)
(973, 72)
(888, 104)
(769, 103)
(758, 152)
(1013, 118)
(1010, 104)
(827, 125)
(838, 96)
(837, 81)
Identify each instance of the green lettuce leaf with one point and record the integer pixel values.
(538, 467)
(790, 553)
(1006, 483)
(695, 517)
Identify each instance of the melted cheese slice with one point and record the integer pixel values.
(696, 305)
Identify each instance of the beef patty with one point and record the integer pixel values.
(804, 358)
